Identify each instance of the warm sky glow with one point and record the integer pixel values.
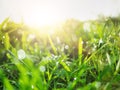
(42, 12)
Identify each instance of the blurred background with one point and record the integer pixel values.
(48, 12)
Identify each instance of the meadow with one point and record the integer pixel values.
(74, 55)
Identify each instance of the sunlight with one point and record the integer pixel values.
(45, 20)
(42, 17)
(40, 20)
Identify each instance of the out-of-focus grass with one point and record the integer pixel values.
(76, 56)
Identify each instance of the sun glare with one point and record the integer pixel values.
(44, 20)
(40, 20)
(43, 17)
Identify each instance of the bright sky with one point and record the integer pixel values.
(41, 12)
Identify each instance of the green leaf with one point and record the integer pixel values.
(7, 85)
(2, 26)
(65, 66)
(52, 45)
(7, 41)
(80, 46)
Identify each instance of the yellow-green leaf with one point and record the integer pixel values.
(65, 66)
(7, 41)
(52, 45)
(80, 46)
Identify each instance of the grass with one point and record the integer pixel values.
(76, 56)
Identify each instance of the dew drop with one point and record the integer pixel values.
(21, 54)
(42, 68)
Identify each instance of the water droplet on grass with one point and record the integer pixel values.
(3, 36)
(57, 63)
(42, 68)
(100, 41)
(75, 78)
(30, 37)
(21, 54)
(32, 87)
(97, 84)
(66, 47)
